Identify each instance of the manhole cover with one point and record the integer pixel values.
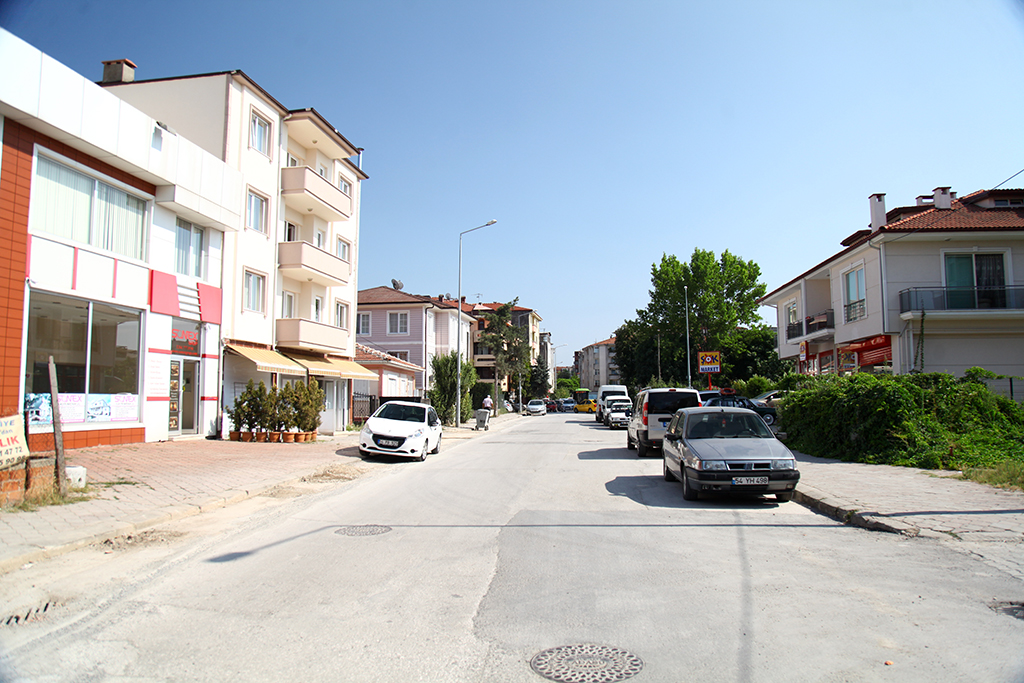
(364, 530)
(1013, 609)
(586, 664)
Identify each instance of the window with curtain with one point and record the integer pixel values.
(855, 295)
(341, 314)
(188, 257)
(254, 287)
(72, 205)
(256, 213)
(975, 281)
(363, 323)
(398, 323)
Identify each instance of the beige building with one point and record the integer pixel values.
(936, 287)
(597, 365)
(289, 275)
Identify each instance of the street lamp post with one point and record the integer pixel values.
(686, 294)
(458, 341)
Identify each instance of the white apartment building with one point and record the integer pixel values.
(597, 365)
(114, 229)
(289, 278)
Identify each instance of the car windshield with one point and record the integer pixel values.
(726, 426)
(535, 402)
(395, 411)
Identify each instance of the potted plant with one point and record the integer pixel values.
(261, 415)
(286, 413)
(310, 403)
(273, 417)
(247, 417)
(234, 415)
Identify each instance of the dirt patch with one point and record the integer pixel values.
(283, 492)
(144, 538)
(336, 473)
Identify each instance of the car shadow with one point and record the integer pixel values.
(611, 453)
(654, 491)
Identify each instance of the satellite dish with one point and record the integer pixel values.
(397, 284)
(447, 295)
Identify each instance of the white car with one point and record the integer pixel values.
(536, 407)
(401, 428)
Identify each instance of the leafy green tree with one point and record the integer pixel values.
(507, 343)
(540, 379)
(750, 352)
(442, 394)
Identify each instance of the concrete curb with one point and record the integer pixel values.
(848, 513)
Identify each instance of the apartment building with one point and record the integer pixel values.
(114, 229)
(290, 272)
(597, 364)
(483, 358)
(937, 286)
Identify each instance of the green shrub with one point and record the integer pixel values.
(757, 385)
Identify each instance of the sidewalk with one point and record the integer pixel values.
(142, 485)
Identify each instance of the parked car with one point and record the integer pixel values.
(610, 405)
(536, 407)
(566, 405)
(588, 406)
(401, 428)
(617, 414)
(768, 413)
(727, 450)
(551, 405)
(770, 398)
(605, 392)
(709, 394)
(652, 411)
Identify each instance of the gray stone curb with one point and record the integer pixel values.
(848, 513)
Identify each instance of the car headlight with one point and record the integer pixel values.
(784, 464)
(711, 465)
(418, 433)
(367, 433)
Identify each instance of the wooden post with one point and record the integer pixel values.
(59, 473)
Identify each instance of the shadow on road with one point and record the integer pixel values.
(654, 491)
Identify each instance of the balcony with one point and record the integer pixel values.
(818, 326)
(306, 191)
(298, 333)
(303, 261)
(962, 299)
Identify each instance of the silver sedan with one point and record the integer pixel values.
(727, 450)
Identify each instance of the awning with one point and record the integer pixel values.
(267, 360)
(333, 367)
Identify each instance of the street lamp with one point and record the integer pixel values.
(458, 341)
(686, 294)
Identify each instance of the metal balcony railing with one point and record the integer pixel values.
(821, 321)
(961, 298)
(794, 330)
(855, 310)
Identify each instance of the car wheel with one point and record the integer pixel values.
(597, 417)
(665, 472)
(641, 449)
(784, 497)
(437, 446)
(769, 419)
(629, 442)
(689, 493)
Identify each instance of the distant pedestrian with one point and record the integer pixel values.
(488, 403)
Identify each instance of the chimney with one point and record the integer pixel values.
(118, 71)
(877, 203)
(942, 198)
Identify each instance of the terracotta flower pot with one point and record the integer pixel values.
(246, 436)
(288, 437)
(261, 437)
(301, 436)
(274, 437)
(234, 436)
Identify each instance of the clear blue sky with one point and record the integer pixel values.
(601, 134)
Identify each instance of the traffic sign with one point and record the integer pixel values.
(710, 361)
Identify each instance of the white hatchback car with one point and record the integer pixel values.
(401, 428)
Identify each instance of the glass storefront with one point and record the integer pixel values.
(96, 351)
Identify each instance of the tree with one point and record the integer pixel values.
(751, 352)
(507, 344)
(442, 394)
(540, 378)
(717, 294)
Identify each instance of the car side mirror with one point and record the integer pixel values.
(672, 437)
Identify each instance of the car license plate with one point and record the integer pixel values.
(664, 423)
(392, 444)
(755, 481)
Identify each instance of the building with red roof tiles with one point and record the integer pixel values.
(937, 287)
(528, 319)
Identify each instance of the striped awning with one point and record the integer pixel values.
(334, 367)
(267, 360)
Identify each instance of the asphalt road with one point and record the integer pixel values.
(544, 535)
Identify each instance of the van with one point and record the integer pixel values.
(652, 411)
(606, 391)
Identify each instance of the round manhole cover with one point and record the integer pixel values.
(586, 664)
(364, 530)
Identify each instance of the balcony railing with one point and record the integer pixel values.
(307, 191)
(825, 320)
(303, 261)
(855, 310)
(961, 298)
(299, 333)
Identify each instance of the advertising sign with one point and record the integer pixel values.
(710, 361)
(13, 448)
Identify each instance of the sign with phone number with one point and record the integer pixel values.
(710, 361)
(12, 441)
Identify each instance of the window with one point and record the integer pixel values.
(342, 249)
(975, 280)
(1009, 202)
(259, 134)
(400, 355)
(363, 323)
(791, 313)
(287, 305)
(398, 323)
(340, 315)
(322, 170)
(256, 213)
(255, 286)
(77, 207)
(295, 161)
(318, 308)
(291, 233)
(854, 293)
(344, 185)
(188, 245)
(319, 239)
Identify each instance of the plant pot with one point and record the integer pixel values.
(274, 437)
(302, 437)
(288, 437)
(261, 437)
(312, 435)
(246, 436)
(234, 436)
